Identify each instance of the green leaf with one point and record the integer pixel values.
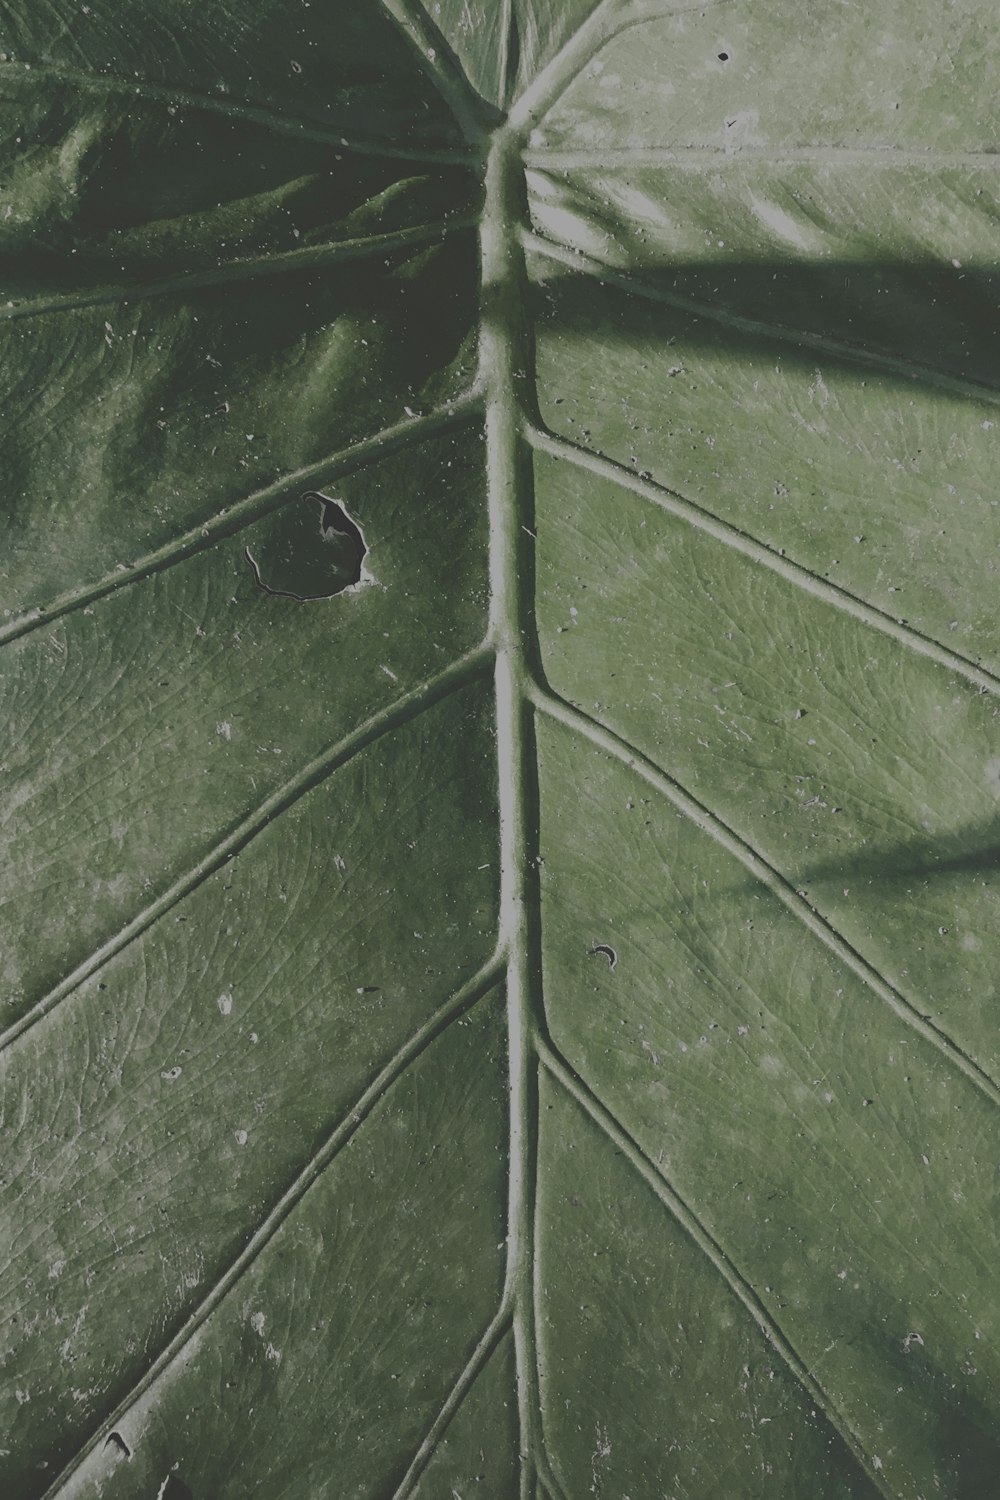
(500, 746)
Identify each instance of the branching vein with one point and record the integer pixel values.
(230, 108)
(758, 867)
(244, 512)
(875, 359)
(462, 1001)
(740, 541)
(406, 708)
(251, 268)
(500, 1325)
(588, 1101)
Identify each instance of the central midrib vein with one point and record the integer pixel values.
(505, 364)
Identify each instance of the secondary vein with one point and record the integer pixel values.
(883, 361)
(456, 1006)
(678, 505)
(282, 263)
(499, 1326)
(557, 1066)
(476, 664)
(237, 109)
(244, 512)
(581, 723)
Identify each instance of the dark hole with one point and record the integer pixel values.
(174, 1489)
(312, 550)
(723, 56)
(115, 1440)
(606, 951)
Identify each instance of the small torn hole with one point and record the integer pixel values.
(722, 56)
(310, 550)
(173, 1488)
(116, 1441)
(608, 952)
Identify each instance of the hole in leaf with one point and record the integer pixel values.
(723, 56)
(309, 550)
(117, 1442)
(174, 1488)
(607, 952)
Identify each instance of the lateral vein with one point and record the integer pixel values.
(498, 1328)
(233, 272)
(307, 130)
(456, 1006)
(575, 719)
(244, 512)
(873, 359)
(476, 664)
(553, 1061)
(557, 159)
(792, 572)
(472, 114)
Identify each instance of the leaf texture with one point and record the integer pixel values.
(518, 1022)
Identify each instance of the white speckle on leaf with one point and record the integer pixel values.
(225, 1003)
(170, 1074)
(224, 730)
(241, 1137)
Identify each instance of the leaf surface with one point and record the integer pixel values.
(500, 747)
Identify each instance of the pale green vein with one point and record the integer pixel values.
(235, 109)
(472, 114)
(406, 708)
(883, 361)
(504, 361)
(455, 1007)
(695, 157)
(253, 268)
(551, 1484)
(605, 739)
(499, 1326)
(795, 573)
(675, 1205)
(507, 24)
(603, 25)
(244, 512)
